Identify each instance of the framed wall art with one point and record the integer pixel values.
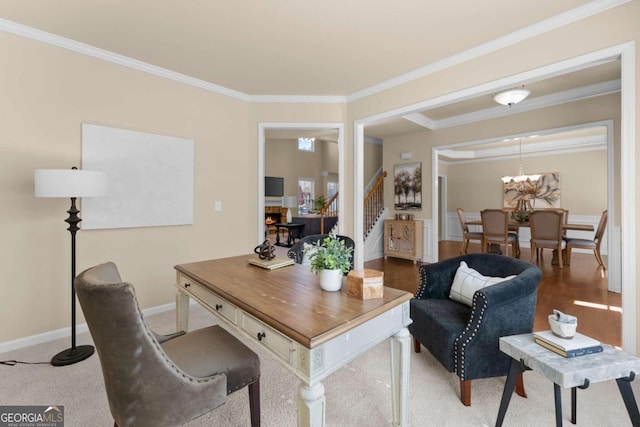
(407, 186)
(150, 178)
(540, 193)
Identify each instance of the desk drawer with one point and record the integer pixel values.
(214, 302)
(268, 337)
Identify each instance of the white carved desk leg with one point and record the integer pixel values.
(311, 405)
(182, 311)
(400, 344)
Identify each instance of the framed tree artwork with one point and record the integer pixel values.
(407, 186)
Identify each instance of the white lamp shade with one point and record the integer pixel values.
(512, 96)
(69, 183)
(290, 202)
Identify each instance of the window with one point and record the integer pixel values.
(306, 194)
(332, 189)
(306, 144)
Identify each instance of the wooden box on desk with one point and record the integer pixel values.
(365, 284)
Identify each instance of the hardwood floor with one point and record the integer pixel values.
(580, 290)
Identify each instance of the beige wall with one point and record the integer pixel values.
(583, 181)
(372, 161)
(282, 158)
(48, 93)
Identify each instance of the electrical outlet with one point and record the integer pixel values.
(218, 206)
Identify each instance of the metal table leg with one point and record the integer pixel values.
(558, 400)
(624, 385)
(516, 368)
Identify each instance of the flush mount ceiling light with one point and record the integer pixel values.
(512, 96)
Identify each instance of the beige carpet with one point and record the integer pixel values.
(357, 395)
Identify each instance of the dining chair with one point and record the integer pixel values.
(466, 234)
(160, 380)
(546, 232)
(589, 244)
(495, 231)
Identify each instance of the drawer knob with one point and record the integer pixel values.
(186, 285)
(218, 307)
(261, 335)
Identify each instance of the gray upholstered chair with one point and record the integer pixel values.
(594, 244)
(546, 232)
(495, 231)
(466, 234)
(155, 380)
(296, 252)
(463, 338)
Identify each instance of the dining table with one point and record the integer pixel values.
(518, 224)
(567, 226)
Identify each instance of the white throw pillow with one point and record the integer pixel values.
(467, 281)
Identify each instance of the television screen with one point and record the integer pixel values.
(273, 186)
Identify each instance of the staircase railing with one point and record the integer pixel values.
(329, 209)
(374, 204)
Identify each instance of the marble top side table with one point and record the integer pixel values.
(574, 372)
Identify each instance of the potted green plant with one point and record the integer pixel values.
(319, 203)
(331, 259)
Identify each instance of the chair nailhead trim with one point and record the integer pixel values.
(459, 349)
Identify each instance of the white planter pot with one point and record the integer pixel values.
(331, 280)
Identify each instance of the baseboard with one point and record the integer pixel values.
(66, 332)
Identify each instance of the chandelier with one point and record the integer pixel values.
(522, 179)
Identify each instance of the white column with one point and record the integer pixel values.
(400, 344)
(311, 405)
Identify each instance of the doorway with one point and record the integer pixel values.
(296, 129)
(627, 172)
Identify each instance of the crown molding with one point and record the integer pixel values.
(372, 140)
(576, 14)
(115, 58)
(421, 119)
(572, 95)
(298, 99)
(537, 149)
(566, 18)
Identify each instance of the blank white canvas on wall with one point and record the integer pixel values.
(150, 178)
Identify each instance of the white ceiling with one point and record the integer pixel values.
(289, 47)
(330, 48)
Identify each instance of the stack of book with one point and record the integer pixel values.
(271, 264)
(579, 345)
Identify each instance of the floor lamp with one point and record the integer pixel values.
(72, 183)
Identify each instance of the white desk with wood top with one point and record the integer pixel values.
(310, 331)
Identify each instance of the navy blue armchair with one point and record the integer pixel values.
(465, 339)
(296, 252)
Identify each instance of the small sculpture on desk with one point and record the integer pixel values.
(563, 325)
(265, 250)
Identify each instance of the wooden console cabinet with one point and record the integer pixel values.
(403, 239)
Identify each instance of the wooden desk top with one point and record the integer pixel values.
(289, 299)
(579, 227)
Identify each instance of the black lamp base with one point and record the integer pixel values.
(72, 355)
